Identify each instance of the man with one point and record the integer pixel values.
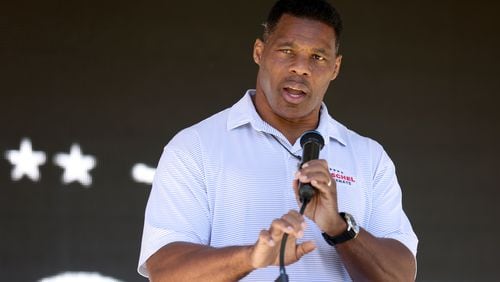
(226, 188)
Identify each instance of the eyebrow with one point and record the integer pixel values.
(292, 44)
(320, 51)
(286, 43)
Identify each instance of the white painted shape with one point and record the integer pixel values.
(143, 173)
(79, 277)
(76, 166)
(25, 161)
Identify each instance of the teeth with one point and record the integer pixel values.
(295, 92)
(295, 89)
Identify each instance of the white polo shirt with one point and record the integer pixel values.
(223, 180)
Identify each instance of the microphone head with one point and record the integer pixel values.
(312, 136)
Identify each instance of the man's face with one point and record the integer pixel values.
(296, 64)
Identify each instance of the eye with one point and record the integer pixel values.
(318, 57)
(286, 51)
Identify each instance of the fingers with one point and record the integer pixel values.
(266, 250)
(291, 223)
(305, 248)
(317, 173)
(265, 238)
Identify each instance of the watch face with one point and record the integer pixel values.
(351, 223)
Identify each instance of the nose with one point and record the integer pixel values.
(301, 66)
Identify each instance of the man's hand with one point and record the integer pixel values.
(323, 207)
(266, 250)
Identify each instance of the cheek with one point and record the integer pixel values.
(323, 78)
(270, 76)
(264, 78)
(320, 88)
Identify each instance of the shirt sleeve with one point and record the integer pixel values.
(388, 219)
(177, 208)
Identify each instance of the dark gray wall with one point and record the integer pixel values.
(121, 78)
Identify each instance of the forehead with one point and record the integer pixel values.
(291, 29)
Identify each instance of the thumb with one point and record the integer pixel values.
(305, 248)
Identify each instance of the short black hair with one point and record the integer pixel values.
(319, 10)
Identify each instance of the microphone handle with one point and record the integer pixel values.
(310, 152)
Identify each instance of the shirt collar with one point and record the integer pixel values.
(243, 112)
(330, 128)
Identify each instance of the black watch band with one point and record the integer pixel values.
(350, 233)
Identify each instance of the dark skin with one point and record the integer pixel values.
(296, 64)
(366, 258)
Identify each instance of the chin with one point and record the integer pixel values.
(291, 114)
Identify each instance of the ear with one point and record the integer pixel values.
(258, 48)
(336, 69)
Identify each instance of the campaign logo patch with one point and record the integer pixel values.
(341, 177)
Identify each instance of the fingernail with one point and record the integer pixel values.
(271, 243)
(305, 165)
(300, 234)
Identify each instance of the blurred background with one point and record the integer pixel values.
(91, 91)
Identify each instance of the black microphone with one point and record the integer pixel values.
(311, 142)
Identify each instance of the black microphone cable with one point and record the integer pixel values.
(283, 276)
(311, 142)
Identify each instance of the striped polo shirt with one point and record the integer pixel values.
(223, 180)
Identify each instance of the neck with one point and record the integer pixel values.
(292, 129)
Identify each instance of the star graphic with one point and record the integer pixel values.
(25, 161)
(143, 173)
(76, 166)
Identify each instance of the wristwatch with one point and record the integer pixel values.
(350, 233)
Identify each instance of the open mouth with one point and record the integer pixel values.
(294, 92)
(293, 95)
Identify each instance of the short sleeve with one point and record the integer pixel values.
(177, 208)
(388, 219)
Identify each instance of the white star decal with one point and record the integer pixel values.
(76, 166)
(79, 277)
(25, 161)
(143, 173)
